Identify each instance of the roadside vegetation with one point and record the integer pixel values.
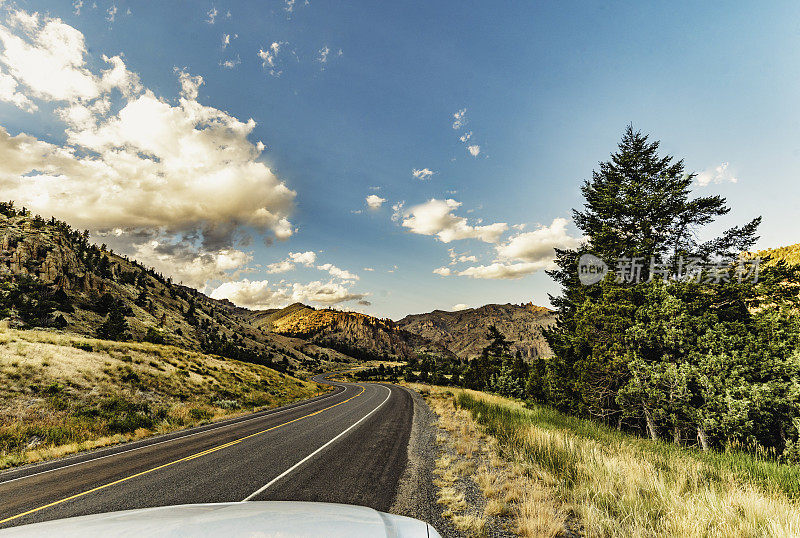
(557, 475)
(61, 393)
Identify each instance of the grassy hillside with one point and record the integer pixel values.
(61, 393)
(601, 482)
(789, 254)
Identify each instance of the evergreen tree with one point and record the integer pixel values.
(638, 205)
(115, 327)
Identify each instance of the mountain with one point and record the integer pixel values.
(463, 332)
(352, 333)
(51, 276)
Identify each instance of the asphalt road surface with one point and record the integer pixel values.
(348, 446)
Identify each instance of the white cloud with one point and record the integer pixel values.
(305, 258)
(336, 272)
(269, 57)
(505, 271)
(327, 293)
(180, 173)
(374, 201)
(9, 93)
(460, 119)
(111, 14)
(466, 136)
(460, 306)
(523, 254)
(212, 15)
(257, 294)
(717, 174)
(279, 267)
(538, 245)
(231, 63)
(47, 56)
(322, 54)
(227, 38)
(370, 269)
(77, 5)
(289, 6)
(443, 271)
(184, 264)
(423, 174)
(435, 217)
(474, 150)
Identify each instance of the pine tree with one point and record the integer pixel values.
(637, 205)
(115, 327)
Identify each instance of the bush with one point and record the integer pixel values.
(200, 414)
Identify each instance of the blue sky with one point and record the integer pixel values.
(547, 90)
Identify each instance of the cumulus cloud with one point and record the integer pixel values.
(322, 54)
(255, 294)
(175, 173)
(9, 93)
(538, 245)
(522, 254)
(717, 174)
(435, 217)
(47, 56)
(466, 136)
(282, 266)
(503, 271)
(443, 271)
(474, 150)
(423, 173)
(260, 294)
(305, 258)
(374, 201)
(327, 293)
(336, 272)
(183, 262)
(460, 306)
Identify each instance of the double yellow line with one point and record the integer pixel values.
(181, 460)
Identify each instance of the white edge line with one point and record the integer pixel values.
(228, 422)
(317, 451)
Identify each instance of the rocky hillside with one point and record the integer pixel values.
(51, 276)
(463, 332)
(355, 334)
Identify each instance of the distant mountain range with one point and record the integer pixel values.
(463, 332)
(53, 277)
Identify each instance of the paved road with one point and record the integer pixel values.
(348, 446)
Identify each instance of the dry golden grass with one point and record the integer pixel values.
(61, 393)
(612, 487)
(469, 454)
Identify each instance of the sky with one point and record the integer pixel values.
(385, 157)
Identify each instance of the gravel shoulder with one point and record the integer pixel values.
(453, 503)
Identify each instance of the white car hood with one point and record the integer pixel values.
(274, 519)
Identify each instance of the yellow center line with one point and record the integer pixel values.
(186, 458)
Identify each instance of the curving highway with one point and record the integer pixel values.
(348, 446)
